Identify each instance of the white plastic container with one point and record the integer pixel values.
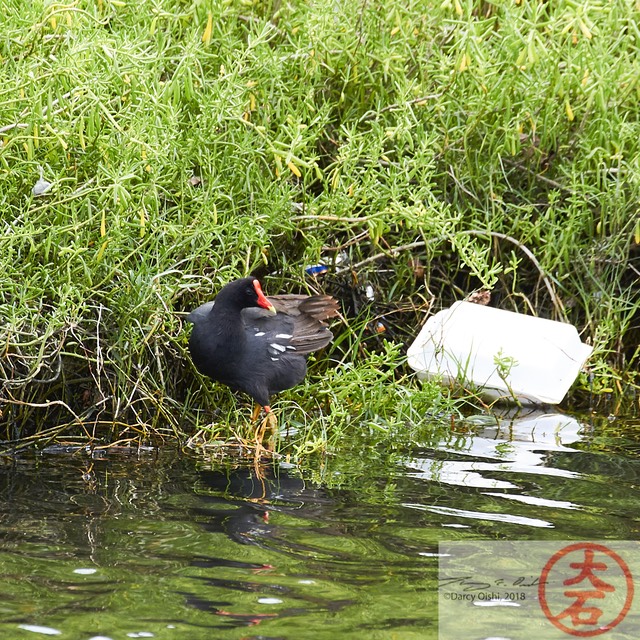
(509, 356)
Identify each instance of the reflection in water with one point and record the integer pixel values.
(156, 543)
(529, 463)
(512, 446)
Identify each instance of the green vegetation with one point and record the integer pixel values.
(434, 147)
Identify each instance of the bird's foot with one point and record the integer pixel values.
(267, 429)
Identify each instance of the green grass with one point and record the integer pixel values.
(470, 136)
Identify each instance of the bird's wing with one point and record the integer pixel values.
(319, 307)
(297, 328)
(275, 361)
(309, 314)
(268, 333)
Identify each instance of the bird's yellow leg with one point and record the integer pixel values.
(256, 412)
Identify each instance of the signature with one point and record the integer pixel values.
(469, 583)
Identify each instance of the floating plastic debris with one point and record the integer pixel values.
(509, 356)
(316, 269)
(380, 327)
(341, 258)
(41, 187)
(370, 292)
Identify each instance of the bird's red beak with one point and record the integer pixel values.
(262, 300)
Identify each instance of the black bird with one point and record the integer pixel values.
(256, 344)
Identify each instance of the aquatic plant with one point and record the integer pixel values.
(153, 150)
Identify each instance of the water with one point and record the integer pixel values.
(159, 544)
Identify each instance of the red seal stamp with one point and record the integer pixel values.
(585, 589)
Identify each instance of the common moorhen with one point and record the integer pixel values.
(256, 344)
